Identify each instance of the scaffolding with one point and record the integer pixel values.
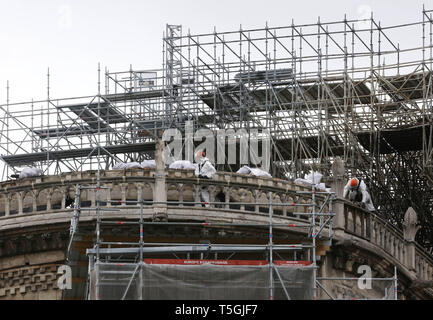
(107, 272)
(134, 270)
(323, 90)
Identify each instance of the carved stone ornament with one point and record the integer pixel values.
(410, 227)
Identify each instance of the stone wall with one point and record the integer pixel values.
(35, 215)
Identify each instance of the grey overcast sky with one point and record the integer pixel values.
(72, 36)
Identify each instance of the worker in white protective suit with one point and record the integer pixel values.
(204, 170)
(356, 191)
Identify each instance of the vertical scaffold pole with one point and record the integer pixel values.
(76, 208)
(75, 218)
(98, 185)
(7, 126)
(313, 237)
(330, 211)
(140, 275)
(271, 262)
(97, 280)
(395, 284)
(98, 217)
(48, 120)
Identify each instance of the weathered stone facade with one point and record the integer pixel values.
(35, 215)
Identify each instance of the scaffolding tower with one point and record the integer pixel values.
(113, 278)
(343, 89)
(134, 270)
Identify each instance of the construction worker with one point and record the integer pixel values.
(356, 191)
(204, 170)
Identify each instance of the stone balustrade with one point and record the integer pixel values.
(370, 227)
(423, 264)
(47, 194)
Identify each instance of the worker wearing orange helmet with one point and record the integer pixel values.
(356, 191)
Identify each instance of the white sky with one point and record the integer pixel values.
(72, 36)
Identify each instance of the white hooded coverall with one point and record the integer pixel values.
(359, 194)
(205, 169)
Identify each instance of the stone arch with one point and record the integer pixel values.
(172, 193)
(235, 198)
(290, 210)
(3, 205)
(304, 209)
(147, 192)
(263, 198)
(101, 195)
(277, 198)
(116, 195)
(188, 194)
(13, 203)
(240, 194)
(131, 194)
(56, 199)
(249, 197)
(70, 197)
(85, 198)
(220, 196)
(28, 202)
(234, 194)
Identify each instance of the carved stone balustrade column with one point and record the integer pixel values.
(160, 189)
(123, 191)
(197, 189)
(139, 192)
(212, 193)
(20, 196)
(34, 201)
(180, 189)
(63, 201)
(110, 187)
(227, 191)
(337, 186)
(256, 195)
(242, 194)
(283, 198)
(49, 193)
(7, 199)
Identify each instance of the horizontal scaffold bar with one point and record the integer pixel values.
(196, 248)
(207, 224)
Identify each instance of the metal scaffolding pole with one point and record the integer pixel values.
(321, 89)
(271, 265)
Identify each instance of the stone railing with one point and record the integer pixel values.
(53, 193)
(423, 264)
(372, 228)
(42, 195)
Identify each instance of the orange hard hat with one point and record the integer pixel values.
(353, 182)
(200, 153)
